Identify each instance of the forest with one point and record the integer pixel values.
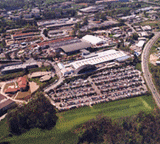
(140, 129)
(37, 113)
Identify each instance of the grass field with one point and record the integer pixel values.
(69, 120)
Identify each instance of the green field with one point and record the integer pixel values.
(69, 120)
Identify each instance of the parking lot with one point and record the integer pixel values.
(104, 86)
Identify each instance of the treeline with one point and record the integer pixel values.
(155, 70)
(39, 112)
(140, 129)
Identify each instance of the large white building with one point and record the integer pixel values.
(93, 39)
(100, 57)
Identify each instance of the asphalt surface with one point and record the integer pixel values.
(145, 69)
(60, 80)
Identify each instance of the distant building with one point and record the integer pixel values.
(17, 68)
(93, 39)
(23, 35)
(157, 62)
(22, 86)
(140, 44)
(5, 104)
(22, 83)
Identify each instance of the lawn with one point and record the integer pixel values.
(8, 85)
(69, 120)
(22, 95)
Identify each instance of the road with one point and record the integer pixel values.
(60, 80)
(146, 1)
(133, 30)
(145, 69)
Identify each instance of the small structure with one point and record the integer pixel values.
(140, 43)
(157, 62)
(45, 78)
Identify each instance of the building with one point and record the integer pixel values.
(140, 44)
(157, 62)
(101, 57)
(5, 104)
(75, 47)
(85, 68)
(146, 28)
(68, 45)
(67, 71)
(23, 35)
(45, 78)
(22, 86)
(17, 68)
(57, 23)
(93, 40)
(22, 83)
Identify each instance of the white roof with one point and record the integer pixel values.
(140, 43)
(100, 58)
(61, 66)
(93, 39)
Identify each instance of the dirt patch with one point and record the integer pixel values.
(33, 86)
(153, 58)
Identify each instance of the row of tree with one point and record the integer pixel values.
(140, 129)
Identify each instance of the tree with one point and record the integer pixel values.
(85, 21)
(135, 36)
(39, 112)
(45, 32)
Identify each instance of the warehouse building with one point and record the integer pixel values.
(89, 63)
(93, 40)
(75, 47)
(101, 57)
(17, 68)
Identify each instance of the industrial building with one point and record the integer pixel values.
(57, 23)
(17, 68)
(5, 104)
(89, 64)
(93, 40)
(98, 58)
(75, 47)
(68, 45)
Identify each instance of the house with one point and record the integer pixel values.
(22, 83)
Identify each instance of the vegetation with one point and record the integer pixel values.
(11, 76)
(39, 112)
(140, 129)
(23, 95)
(155, 70)
(43, 84)
(43, 68)
(64, 131)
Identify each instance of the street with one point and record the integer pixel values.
(145, 68)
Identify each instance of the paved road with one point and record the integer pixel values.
(145, 69)
(58, 72)
(146, 1)
(130, 27)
